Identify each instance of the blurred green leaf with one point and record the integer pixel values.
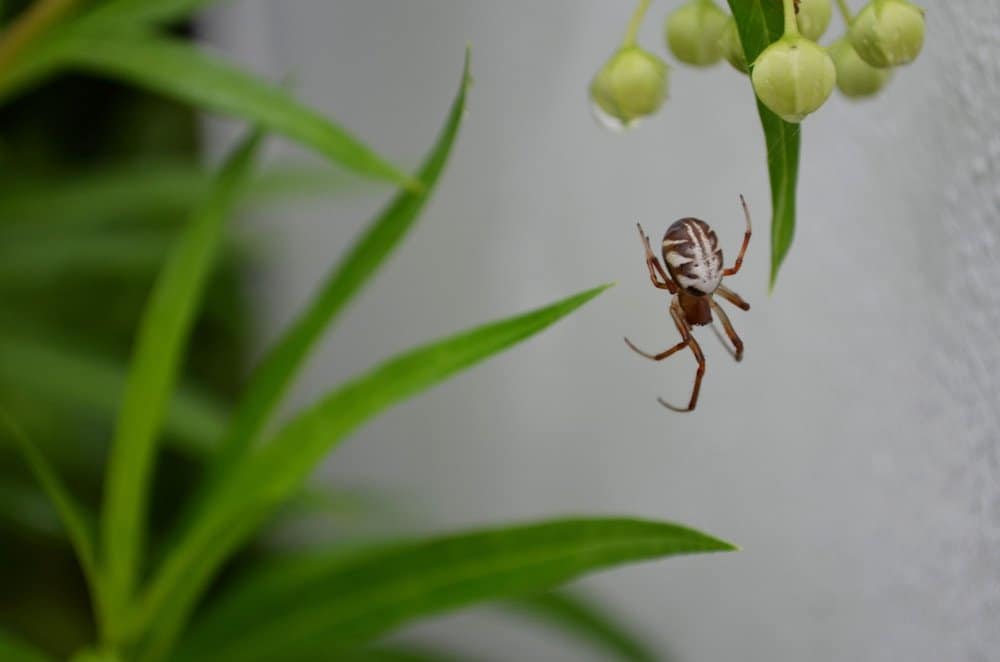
(90, 655)
(178, 70)
(322, 602)
(584, 619)
(13, 649)
(135, 191)
(36, 260)
(28, 508)
(761, 23)
(324, 501)
(146, 12)
(276, 371)
(156, 361)
(68, 375)
(251, 489)
(396, 653)
(80, 532)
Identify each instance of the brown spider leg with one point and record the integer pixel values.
(654, 266)
(732, 297)
(746, 242)
(689, 340)
(657, 357)
(722, 341)
(727, 325)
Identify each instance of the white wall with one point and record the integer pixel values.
(853, 454)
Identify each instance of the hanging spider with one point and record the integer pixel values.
(693, 257)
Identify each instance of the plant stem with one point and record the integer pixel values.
(791, 25)
(632, 31)
(31, 24)
(845, 11)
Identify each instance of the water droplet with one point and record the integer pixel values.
(610, 122)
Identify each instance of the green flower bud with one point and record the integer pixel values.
(812, 18)
(855, 77)
(888, 33)
(693, 32)
(793, 77)
(631, 85)
(732, 47)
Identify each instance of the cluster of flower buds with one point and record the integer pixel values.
(793, 76)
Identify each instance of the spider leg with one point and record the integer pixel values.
(657, 357)
(732, 297)
(655, 268)
(685, 331)
(722, 341)
(746, 242)
(727, 325)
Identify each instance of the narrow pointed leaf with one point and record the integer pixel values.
(760, 23)
(181, 71)
(358, 597)
(267, 478)
(14, 649)
(70, 514)
(156, 362)
(583, 619)
(272, 379)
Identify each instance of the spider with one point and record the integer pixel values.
(694, 263)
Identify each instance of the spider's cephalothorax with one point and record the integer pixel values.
(693, 275)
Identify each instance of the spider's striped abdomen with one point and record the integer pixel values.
(693, 256)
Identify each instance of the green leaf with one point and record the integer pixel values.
(146, 12)
(156, 362)
(70, 514)
(251, 490)
(64, 375)
(134, 191)
(178, 70)
(761, 23)
(13, 649)
(29, 509)
(342, 599)
(275, 373)
(28, 261)
(584, 619)
(396, 653)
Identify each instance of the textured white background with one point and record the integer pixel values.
(854, 454)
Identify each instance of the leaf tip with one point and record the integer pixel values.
(710, 543)
(587, 295)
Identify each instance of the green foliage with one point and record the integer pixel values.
(582, 618)
(15, 650)
(79, 530)
(123, 193)
(272, 377)
(115, 46)
(155, 364)
(61, 243)
(176, 69)
(145, 12)
(248, 492)
(68, 376)
(760, 24)
(328, 601)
